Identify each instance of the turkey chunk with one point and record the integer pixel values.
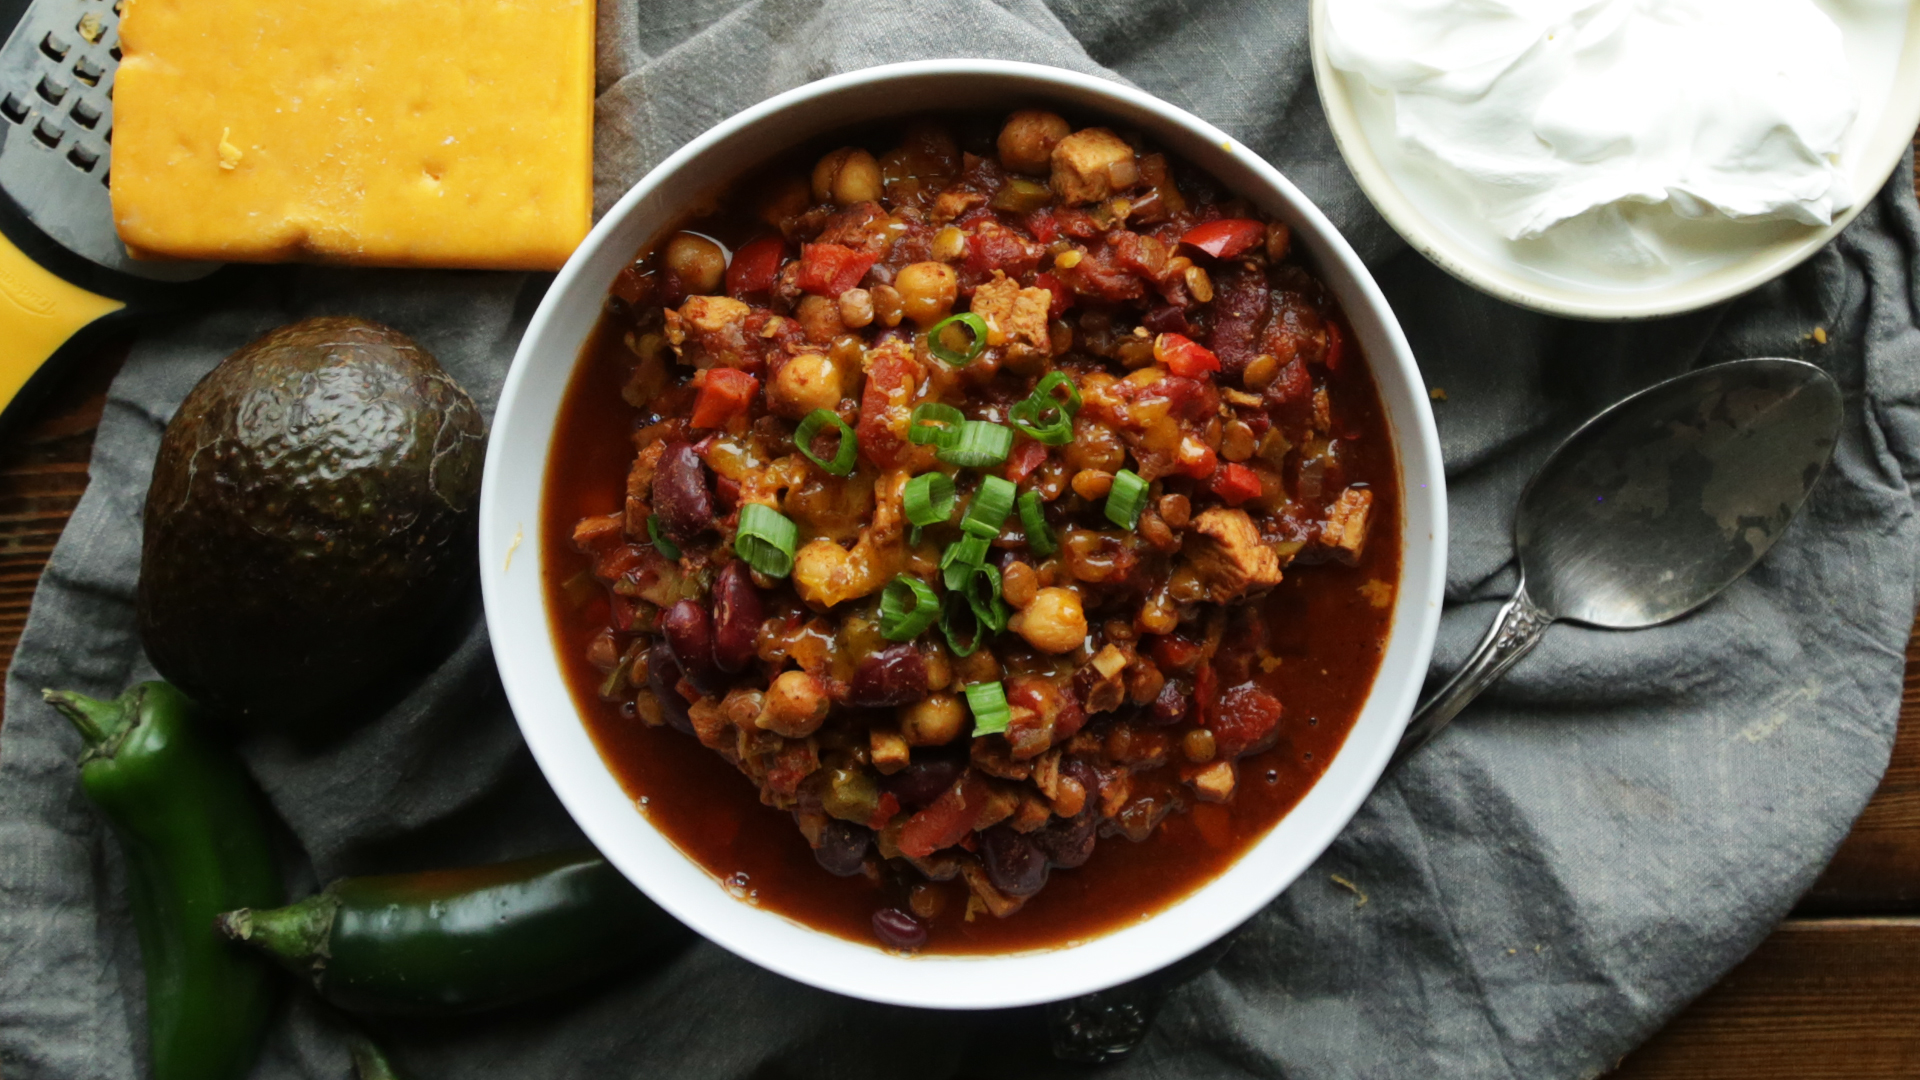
(1345, 532)
(1228, 554)
(1015, 317)
(1090, 165)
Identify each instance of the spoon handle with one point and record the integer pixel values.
(1514, 633)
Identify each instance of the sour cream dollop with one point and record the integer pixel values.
(1543, 110)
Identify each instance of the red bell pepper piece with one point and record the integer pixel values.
(724, 394)
(754, 267)
(1235, 483)
(1184, 356)
(1227, 237)
(831, 269)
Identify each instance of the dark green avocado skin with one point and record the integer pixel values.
(311, 520)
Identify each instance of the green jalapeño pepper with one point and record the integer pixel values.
(454, 941)
(194, 833)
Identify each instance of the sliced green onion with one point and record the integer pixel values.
(1044, 417)
(660, 543)
(766, 539)
(989, 508)
(907, 607)
(1033, 520)
(981, 444)
(959, 560)
(963, 631)
(842, 463)
(974, 324)
(983, 595)
(1127, 499)
(929, 499)
(988, 702)
(935, 423)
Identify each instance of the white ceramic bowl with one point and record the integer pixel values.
(1885, 129)
(516, 608)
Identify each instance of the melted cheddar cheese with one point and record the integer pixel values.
(372, 132)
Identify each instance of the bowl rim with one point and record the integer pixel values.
(555, 732)
(1880, 154)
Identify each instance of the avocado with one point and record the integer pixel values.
(311, 522)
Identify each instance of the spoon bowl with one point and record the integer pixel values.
(1652, 508)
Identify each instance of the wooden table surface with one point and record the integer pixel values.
(1833, 993)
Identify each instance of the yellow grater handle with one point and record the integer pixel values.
(39, 311)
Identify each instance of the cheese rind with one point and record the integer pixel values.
(372, 132)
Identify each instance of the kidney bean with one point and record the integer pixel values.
(663, 677)
(896, 675)
(1069, 843)
(923, 781)
(690, 639)
(1170, 705)
(680, 493)
(1014, 864)
(898, 929)
(737, 612)
(843, 847)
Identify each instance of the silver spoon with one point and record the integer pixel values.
(1651, 508)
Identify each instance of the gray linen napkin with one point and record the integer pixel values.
(1596, 841)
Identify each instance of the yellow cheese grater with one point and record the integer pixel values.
(63, 272)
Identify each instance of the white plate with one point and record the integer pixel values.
(517, 617)
(1426, 215)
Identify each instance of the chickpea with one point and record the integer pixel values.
(978, 667)
(1092, 484)
(1071, 799)
(1175, 510)
(848, 175)
(1019, 584)
(927, 291)
(1260, 372)
(805, 383)
(856, 308)
(796, 706)
(784, 200)
(949, 245)
(1237, 442)
(1026, 143)
(1198, 745)
(886, 305)
(935, 720)
(696, 262)
(819, 318)
(1055, 622)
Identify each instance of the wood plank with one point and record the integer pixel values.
(1822, 999)
(1877, 870)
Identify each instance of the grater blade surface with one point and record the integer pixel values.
(56, 127)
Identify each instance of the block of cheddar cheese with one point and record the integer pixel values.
(371, 132)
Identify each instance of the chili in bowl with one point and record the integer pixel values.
(976, 533)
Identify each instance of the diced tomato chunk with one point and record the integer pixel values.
(1026, 457)
(1227, 237)
(1245, 721)
(1062, 296)
(1235, 483)
(754, 267)
(1172, 652)
(830, 269)
(1184, 356)
(1042, 225)
(724, 394)
(1336, 346)
(889, 805)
